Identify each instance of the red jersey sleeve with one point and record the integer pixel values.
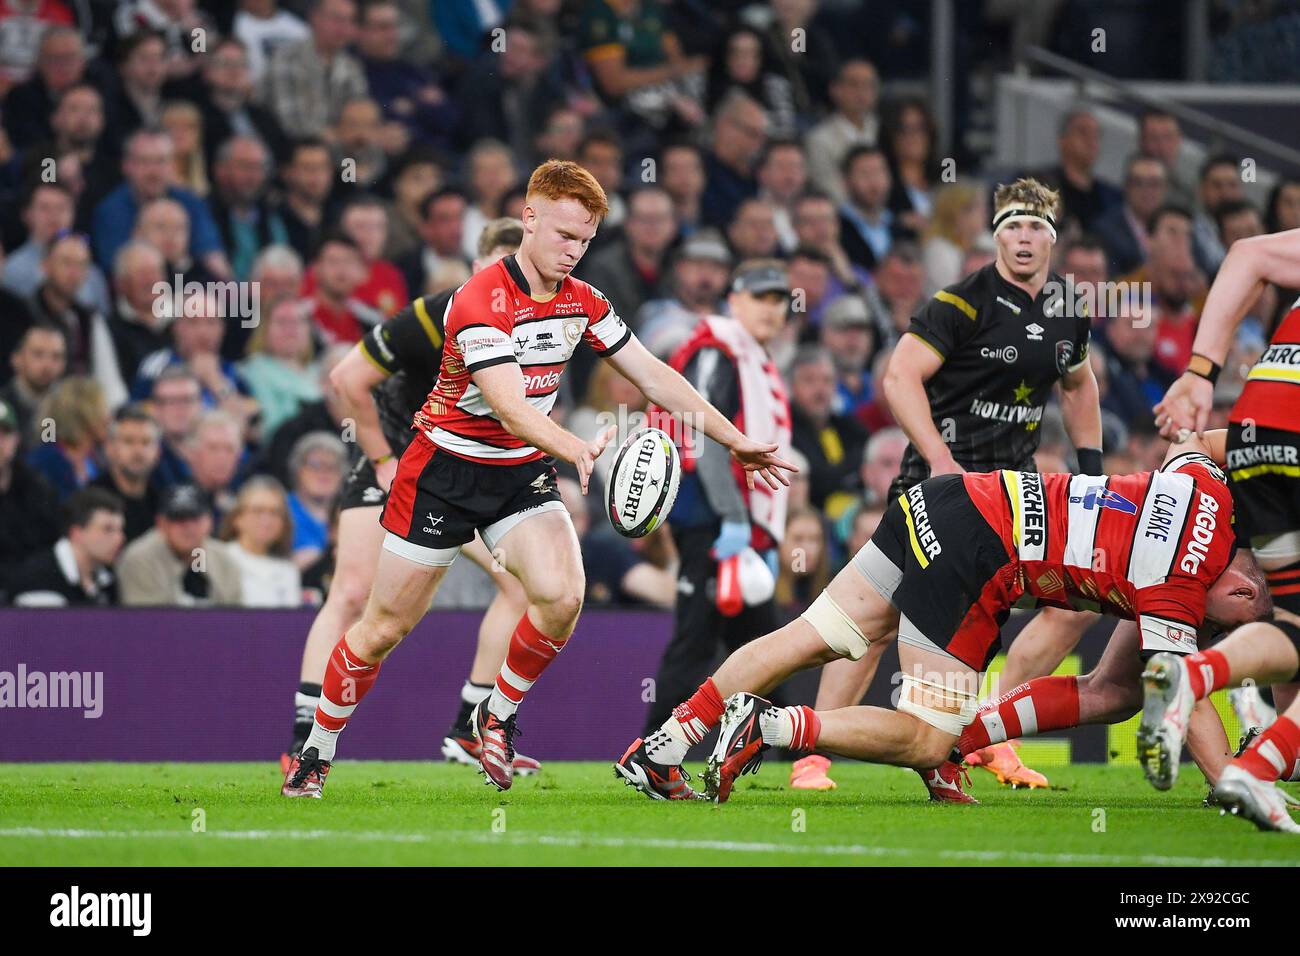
(480, 322)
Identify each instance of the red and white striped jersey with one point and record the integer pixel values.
(1145, 547)
(491, 319)
(1271, 396)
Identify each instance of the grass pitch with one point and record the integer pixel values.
(578, 814)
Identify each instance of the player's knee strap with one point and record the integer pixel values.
(949, 721)
(1281, 586)
(840, 632)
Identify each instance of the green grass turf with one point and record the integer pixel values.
(577, 814)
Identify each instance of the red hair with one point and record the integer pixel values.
(558, 179)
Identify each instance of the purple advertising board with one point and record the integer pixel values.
(174, 685)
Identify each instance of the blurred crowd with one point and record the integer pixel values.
(341, 157)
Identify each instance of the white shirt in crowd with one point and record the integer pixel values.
(266, 581)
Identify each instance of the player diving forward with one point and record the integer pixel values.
(1263, 456)
(951, 557)
(382, 383)
(478, 463)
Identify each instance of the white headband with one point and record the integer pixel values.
(1016, 212)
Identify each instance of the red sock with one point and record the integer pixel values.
(807, 728)
(1274, 753)
(1042, 705)
(530, 653)
(700, 712)
(347, 680)
(1207, 671)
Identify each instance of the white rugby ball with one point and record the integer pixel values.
(643, 483)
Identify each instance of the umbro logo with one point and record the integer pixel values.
(1035, 332)
(372, 494)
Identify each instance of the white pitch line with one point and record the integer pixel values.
(577, 840)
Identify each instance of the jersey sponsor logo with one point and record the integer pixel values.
(541, 381)
(923, 534)
(1028, 415)
(1033, 532)
(1263, 454)
(1034, 332)
(1008, 353)
(1203, 525)
(1099, 496)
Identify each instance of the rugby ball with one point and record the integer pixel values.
(643, 483)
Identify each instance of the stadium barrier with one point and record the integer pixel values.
(172, 685)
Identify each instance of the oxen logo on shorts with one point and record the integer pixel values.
(432, 527)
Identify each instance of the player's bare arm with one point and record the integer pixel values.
(1251, 264)
(666, 387)
(503, 389)
(354, 378)
(1081, 406)
(914, 363)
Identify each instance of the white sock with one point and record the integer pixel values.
(663, 747)
(501, 705)
(777, 726)
(325, 741)
(472, 693)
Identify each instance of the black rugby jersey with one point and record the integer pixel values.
(1002, 353)
(408, 348)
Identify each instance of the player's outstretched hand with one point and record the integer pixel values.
(760, 457)
(1185, 407)
(586, 461)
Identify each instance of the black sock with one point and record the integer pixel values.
(304, 713)
(470, 695)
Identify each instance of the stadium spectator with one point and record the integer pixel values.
(782, 176)
(618, 574)
(1237, 219)
(810, 66)
(21, 27)
(1083, 262)
(849, 335)
(29, 508)
(559, 135)
(739, 133)
(258, 531)
(810, 277)
(1161, 136)
(867, 225)
(1283, 209)
(1219, 182)
(960, 216)
(417, 175)
(140, 318)
(308, 177)
(752, 233)
(1123, 229)
(816, 225)
(78, 570)
(407, 92)
(309, 80)
(196, 343)
(490, 175)
(601, 154)
(38, 363)
(326, 415)
(854, 93)
(165, 225)
(279, 369)
(1177, 288)
(60, 64)
(363, 143)
(225, 100)
(898, 291)
(71, 423)
(832, 443)
(743, 60)
(439, 262)
(1084, 195)
(365, 222)
(214, 449)
(910, 142)
(134, 100)
(176, 403)
(338, 271)
(243, 215)
(1134, 381)
(866, 519)
(263, 28)
(183, 124)
(76, 131)
(699, 277)
(66, 265)
(509, 96)
(177, 23)
(278, 273)
(48, 211)
(805, 567)
(317, 466)
(681, 174)
(882, 459)
(146, 166)
(179, 563)
(637, 62)
(632, 269)
(131, 453)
